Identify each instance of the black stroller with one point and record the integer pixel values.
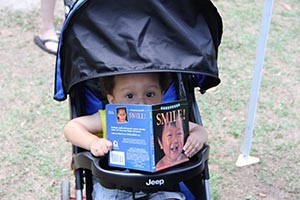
(101, 38)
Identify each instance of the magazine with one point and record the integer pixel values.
(147, 137)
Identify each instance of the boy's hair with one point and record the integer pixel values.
(107, 83)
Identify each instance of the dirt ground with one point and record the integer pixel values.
(35, 157)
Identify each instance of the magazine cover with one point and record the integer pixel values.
(147, 137)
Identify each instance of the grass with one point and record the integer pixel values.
(277, 112)
(35, 158)
(33, 150)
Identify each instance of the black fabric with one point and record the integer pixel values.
(107, 37)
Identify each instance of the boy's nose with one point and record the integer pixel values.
(140, 101)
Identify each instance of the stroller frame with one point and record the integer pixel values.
(86, 166)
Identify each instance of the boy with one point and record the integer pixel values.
(143, 88)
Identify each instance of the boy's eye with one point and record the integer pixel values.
(129, 96)
(150, 94)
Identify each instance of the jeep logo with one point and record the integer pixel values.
(155, 182)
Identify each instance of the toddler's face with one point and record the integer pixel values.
(136, 89)
(172, 140)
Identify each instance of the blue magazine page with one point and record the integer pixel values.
(130, 129)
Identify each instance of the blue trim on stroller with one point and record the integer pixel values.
(93, 104)
(187, 193)
(59, 93)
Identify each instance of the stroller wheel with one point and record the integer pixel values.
(65, 190)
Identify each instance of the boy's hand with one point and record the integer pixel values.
(100, 146)
(193, 145)
(195, 141)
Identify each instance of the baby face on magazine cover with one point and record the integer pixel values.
(172, 141)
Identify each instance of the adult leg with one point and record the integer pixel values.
(47, 13)
(48, 40)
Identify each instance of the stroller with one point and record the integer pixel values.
(103, 38)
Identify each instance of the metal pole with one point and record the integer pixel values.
(245, 158)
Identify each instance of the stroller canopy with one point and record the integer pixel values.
(105, 37)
